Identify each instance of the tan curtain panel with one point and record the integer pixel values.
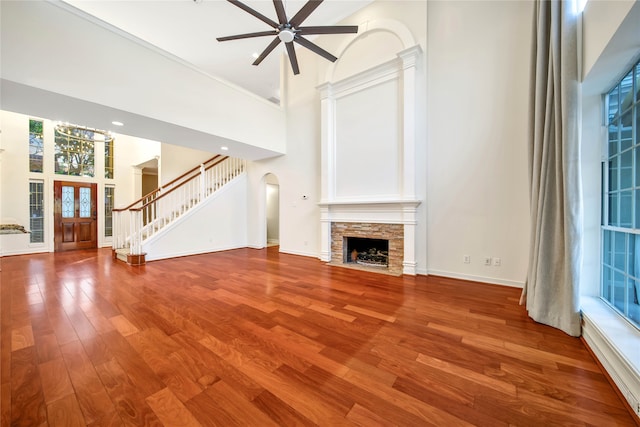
(551, 291)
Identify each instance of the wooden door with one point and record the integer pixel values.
(75, 216)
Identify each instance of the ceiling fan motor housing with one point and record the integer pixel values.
(286, 35)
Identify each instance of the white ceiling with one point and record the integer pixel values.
(188, 29)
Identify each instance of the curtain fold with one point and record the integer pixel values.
(551, 292)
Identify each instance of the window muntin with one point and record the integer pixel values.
(36, 146)
(109, 200)
(620, 285)
(74, 151)
(36, 211)
(108, 157)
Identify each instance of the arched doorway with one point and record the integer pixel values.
(272, 209)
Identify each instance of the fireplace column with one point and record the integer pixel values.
(325, 234)
(409, 218)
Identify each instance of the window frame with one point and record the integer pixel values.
(65, 151)
(33, 230)
(108, 213)
(612, 228)
(109, 156)
(41, 136)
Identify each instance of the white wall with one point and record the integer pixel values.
(15, 175)
(176, 160)
(478, 92)
(215, 225)
(297, 173)
(367, 146)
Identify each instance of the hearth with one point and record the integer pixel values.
(366, 252)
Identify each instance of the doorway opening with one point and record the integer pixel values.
(272, 197)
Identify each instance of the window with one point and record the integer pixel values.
(621, 199)
(36, 211)
(109, 200)
(108, 157)
(35, 146)
(74, 151)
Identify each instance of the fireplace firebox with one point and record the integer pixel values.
(366, 252)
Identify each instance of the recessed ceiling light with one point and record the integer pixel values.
(255, 55)
(116, 123)
(224, 148)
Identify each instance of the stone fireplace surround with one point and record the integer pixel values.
(394, 233)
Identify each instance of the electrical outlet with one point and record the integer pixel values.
(487, 260)
(497, 262)
(466, 259)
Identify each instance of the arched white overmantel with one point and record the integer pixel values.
(368, 143)
(397, 28)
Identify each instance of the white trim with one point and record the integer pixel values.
(481, 279)
(379, 74)
(301, 253)
(27, 251)
(616, 344)
(366, 28)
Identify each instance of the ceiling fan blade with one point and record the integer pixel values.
(315, 48)
(282, 16)
(254, 13)
(331, 29)
(248, 35)
(267, 51)
(304, 13)
(292, 57)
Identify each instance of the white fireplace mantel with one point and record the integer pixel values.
(377, 211)
(368, 151)
(372, 211)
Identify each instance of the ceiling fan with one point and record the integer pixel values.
(290, 31)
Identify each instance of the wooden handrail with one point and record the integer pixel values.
(168, 184)
(175, 188)
(191, 171)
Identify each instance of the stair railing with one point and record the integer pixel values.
(146, 217)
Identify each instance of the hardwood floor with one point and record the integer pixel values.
(254, 337)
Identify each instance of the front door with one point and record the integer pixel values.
(75, 216)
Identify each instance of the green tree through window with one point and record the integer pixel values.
(35, 146)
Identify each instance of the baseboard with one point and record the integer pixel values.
(482, 279)
(301, 253)
(27, 251)
(422, 272)
(614, 342)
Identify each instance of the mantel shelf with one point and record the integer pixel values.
(368, 202)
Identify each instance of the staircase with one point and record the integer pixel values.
(153, 213)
